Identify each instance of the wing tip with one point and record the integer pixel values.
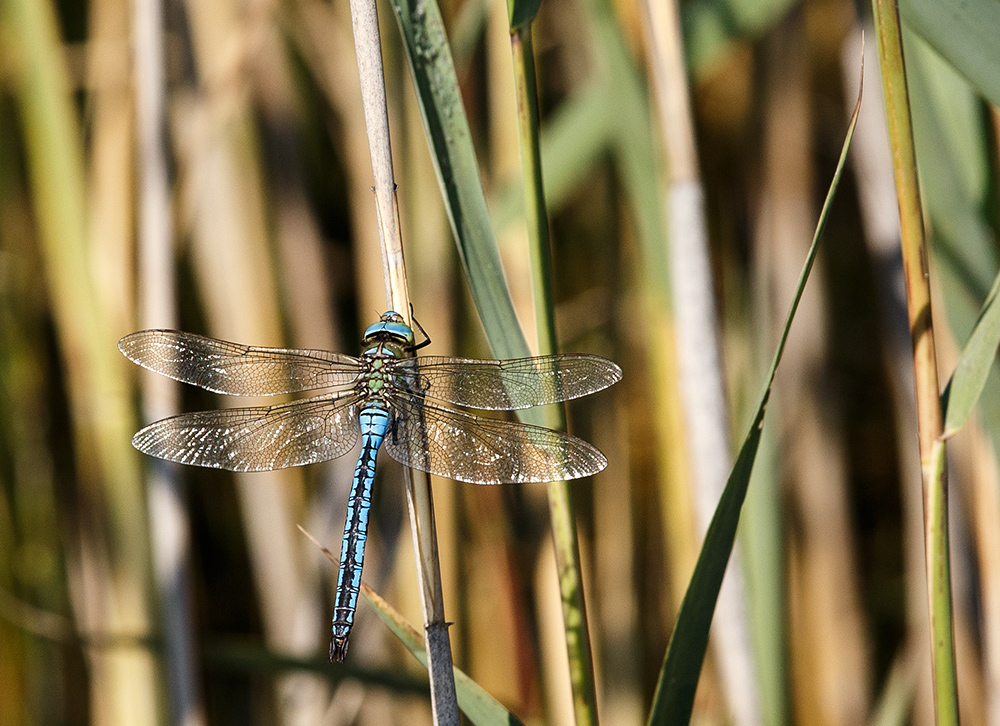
(616, 371)
(587, 459)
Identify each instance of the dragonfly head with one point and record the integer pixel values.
(390, 331)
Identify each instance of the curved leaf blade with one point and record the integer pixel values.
(481, 708)
(678, 680)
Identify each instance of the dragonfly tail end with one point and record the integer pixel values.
(338, 649)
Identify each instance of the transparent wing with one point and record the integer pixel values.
(235, 369)
(484, 451)
(506, 384)
(261, 438)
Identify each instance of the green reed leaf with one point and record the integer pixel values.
(675, 690)
(965, 34)
(447, 130)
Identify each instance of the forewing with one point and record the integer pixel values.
(261, 438)
(469, 448)
(236, 369)
(506, 384)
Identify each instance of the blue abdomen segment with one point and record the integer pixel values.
(374, 420)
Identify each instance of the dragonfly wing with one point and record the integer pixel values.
(261, 438)
(484, 451)
(506, 384)
(235, 369)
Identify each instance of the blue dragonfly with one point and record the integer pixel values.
(399, 403)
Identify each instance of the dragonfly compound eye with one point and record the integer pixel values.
(390, 329)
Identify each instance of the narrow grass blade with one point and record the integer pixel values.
(447, 130)
(481, 708)
(675, 690)
(561, 506)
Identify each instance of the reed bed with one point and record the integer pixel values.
(205, 165)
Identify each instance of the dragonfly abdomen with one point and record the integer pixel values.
(374, 420)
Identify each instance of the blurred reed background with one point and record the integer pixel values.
(276, 243)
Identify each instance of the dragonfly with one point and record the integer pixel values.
(385, 397)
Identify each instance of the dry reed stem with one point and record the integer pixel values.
(871, 159)
(367, 43)
(169, 525)
(429, 275)
(929, 415)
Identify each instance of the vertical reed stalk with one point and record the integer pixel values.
(872, 161)
(233, 267)
(115, 603)
(444, 704)
(561, 511)
(169, 526)
(697, 343)
(430, 238)
(933, 460)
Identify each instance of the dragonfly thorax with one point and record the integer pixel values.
(376, 368)
(375, 380)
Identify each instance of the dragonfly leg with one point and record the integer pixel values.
(427, 339)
